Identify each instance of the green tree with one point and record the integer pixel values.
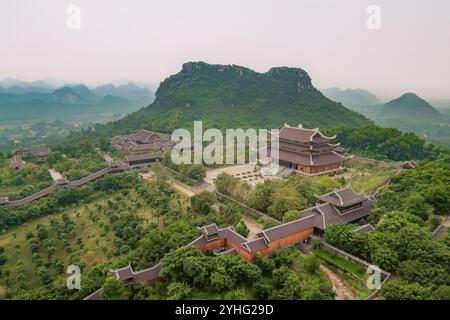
(201, 202)
(114, 289)
(242, 229)
(178, 291)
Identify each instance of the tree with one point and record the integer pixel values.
(178, 291)
(220, 280)
(441, 293)
(395, 290)
(285, 199)
(114, 289)
(416, 205)
(229, 212)
(242, 229)
(226, 183)
(291, 215)
(386, 258)
(193, 171)
(311, 264)
(201, 202)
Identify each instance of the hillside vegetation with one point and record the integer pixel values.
(224, 96)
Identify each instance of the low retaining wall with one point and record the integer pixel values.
(342, 254)
(249, 209)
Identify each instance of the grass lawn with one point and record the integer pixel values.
(358, 271)
(369, 177)
(361, 290)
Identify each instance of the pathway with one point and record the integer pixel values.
(343, 290)
(440, 233)
(254, 228)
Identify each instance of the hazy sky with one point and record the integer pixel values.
(147, 40)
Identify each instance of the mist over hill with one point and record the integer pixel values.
(351, 97)
(31, 102)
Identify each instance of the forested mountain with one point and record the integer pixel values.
(408, 105)
(411, 113)
(230, 96)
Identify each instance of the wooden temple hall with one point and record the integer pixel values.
(143, 142)
(309, 152)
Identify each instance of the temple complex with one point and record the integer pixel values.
(337, 207)
(143, 142)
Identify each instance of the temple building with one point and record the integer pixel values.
(143, 142)
(309, 152)
(348, 203)
(39, 153)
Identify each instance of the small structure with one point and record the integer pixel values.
(309, 152)
(125, 274)
(57, 177)
(346, 200)
(39, 153)
(4, 201)
(118, 166)
(16, 163)
(142, 159)
(364, 228)
(408, 165)
(143, 142)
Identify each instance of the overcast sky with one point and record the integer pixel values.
(147, 40)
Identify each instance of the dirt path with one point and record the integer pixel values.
(181, 188)
(342, 290)
(254, 227)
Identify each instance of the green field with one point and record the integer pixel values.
(369, 177)
(93, 238)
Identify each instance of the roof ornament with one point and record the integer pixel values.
(300, 126)
(286, 125)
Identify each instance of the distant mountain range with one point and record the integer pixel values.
(351, 97)
(230, 96)
(38, 101)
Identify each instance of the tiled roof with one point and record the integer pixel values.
(235, 237)
(342, 197)
(319, 159)
(289, 228)
(124, 273)
(148, 274)
(364, 228)
(303, 135)
(358, 213)
(143, 157)
(256, 245)
(210, 229)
